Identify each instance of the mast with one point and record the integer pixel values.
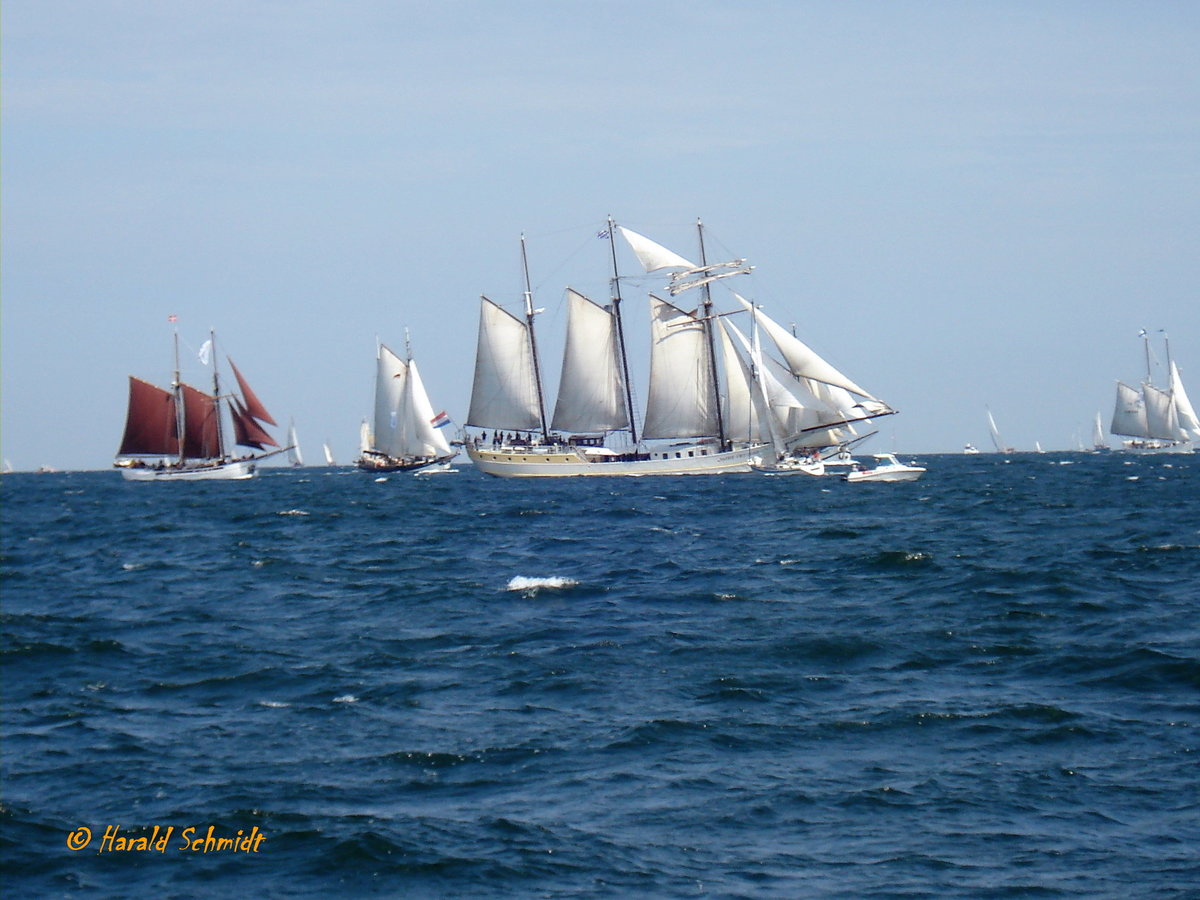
(177, 388)
(712, 350)
(1146, 344)
(616, 299)
(529, 313)
(212, 348)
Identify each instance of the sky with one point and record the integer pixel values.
(962, 206)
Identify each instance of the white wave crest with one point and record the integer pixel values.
(292, 512)
(345, 698)
(535, 584)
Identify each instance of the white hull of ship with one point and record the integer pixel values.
(1150, 446)
(568, 462)
(234, 470)
(380, 463)
(792, 466)
(886, 474)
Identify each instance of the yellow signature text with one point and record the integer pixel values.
(163, 838)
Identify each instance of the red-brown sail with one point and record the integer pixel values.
(201, 439)
(253, 406)
(150, 423)
(246, 431)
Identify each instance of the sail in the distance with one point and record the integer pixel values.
(1155, 419)
(405, 433)
(183, 428)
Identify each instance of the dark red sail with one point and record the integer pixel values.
(253, 406)
(246, 431)
(150, 423)
(201, 438)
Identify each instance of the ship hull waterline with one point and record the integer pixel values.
(568, 462)
(235, 470)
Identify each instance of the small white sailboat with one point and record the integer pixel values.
(1099, 442)
(328, 454)
(887, 468)
(407, 435)
(997, 441)
(183, 428)
(295, 457)
(1156, 420)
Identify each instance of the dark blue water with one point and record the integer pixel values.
(985, 684)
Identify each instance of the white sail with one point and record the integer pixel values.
(328, 454)
(1129, 413)
(364, 436)
(1188, 421)
(743, 421)
(681, 400)
(504, 394)
(799, 406)
(1098, 439)
(294, 455)
(391, 375)
(997, 441)
(1162, 420)
(801, 359)
(590, 391)
(654, 257)
(416, 435)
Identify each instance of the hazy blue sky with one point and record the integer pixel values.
(960, 204)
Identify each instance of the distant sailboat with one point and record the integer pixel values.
(1099, 442)
(997, 441)
(183, 428)
(407, 435)
(8, 467)
(295, 458)
(328, 454)
(1157, 420)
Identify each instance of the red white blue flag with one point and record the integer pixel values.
(441, 420)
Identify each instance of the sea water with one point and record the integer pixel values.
(983, 684)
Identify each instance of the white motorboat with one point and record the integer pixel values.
(887, 468)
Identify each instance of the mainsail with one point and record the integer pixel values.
(150, 424)
(682, 399)
(390, 375)
(1129, 413)
(1162, 420)
(590, 391)
(504, 394)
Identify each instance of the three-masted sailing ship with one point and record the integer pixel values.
(705, 413)
(177, 434)
(1156, 420)
(405, 434)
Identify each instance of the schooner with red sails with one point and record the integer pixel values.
(178, 433)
